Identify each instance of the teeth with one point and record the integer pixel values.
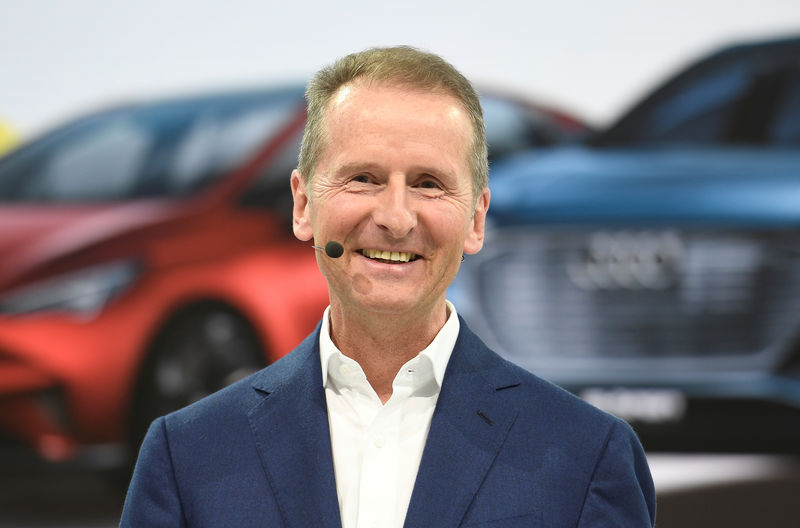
(394, 256)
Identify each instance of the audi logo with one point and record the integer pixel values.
(628, 260)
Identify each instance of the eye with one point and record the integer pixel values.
(361, 178)
(429, 183)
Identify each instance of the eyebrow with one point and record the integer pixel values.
(357, 167)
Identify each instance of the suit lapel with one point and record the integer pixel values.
(291, 431)
(468, 429)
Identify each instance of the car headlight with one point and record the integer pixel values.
(84, 292)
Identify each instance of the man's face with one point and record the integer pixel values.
(394, 188)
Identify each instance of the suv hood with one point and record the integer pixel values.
(32, 235)
(755, 187)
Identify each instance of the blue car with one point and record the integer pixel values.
(654, 268)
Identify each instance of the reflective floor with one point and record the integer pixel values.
(729, 491)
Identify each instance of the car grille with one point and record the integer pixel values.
(657, 293)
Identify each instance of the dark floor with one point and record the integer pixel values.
(63, 499)
(730, 491)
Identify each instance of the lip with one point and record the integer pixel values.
(396, 270)
(390, 256)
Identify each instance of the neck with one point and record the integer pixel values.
(383, 343)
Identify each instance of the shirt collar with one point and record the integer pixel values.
(437, 352)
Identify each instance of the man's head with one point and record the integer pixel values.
(401, 66)
(392, 179)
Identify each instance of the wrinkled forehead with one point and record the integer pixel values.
(400, 115)
(361, 100)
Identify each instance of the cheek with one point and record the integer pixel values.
(456, 214)
(337, 217)
(448, 231)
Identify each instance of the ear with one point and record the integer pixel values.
(474, 241)
(301, 216)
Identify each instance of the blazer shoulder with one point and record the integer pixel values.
(561, 453)
(237, 399)
(533, 396)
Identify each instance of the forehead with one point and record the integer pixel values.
(396, 116)
(362, 93)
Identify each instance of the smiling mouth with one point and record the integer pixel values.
(389, 256)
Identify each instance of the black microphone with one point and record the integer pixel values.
(333, 249)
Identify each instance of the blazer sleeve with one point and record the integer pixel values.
(621, 492)
(152, 499)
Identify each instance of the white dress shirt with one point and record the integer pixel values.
(377, 447)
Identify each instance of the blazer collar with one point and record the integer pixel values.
(469, 426)
(290, 426)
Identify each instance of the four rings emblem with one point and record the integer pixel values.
(628, 260)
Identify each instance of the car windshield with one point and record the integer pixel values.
(747, 98)
(162, 149)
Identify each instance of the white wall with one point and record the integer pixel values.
(58, 58)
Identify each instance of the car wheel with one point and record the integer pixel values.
(201, 351)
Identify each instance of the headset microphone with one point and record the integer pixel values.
(333, 249)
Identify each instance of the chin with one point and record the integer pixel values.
(392, 305)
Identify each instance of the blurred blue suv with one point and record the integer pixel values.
(654, 269)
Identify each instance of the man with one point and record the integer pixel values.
(392, 413)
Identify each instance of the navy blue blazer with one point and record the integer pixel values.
(505, 449)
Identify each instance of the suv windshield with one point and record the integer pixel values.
(746, 97)
(168, 148)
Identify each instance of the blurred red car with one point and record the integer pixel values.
(146, 259)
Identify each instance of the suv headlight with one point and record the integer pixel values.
(84, 292)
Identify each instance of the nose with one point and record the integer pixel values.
(393, 212)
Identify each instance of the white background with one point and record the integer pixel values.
(59, 58)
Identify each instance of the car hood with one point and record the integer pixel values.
(745, 186)
(33, 235)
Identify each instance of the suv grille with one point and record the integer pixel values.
(637, 293)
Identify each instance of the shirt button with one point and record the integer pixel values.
(345, 370)
(379, 441)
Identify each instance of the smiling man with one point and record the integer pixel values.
(392, 413)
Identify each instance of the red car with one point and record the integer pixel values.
(146, 260)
